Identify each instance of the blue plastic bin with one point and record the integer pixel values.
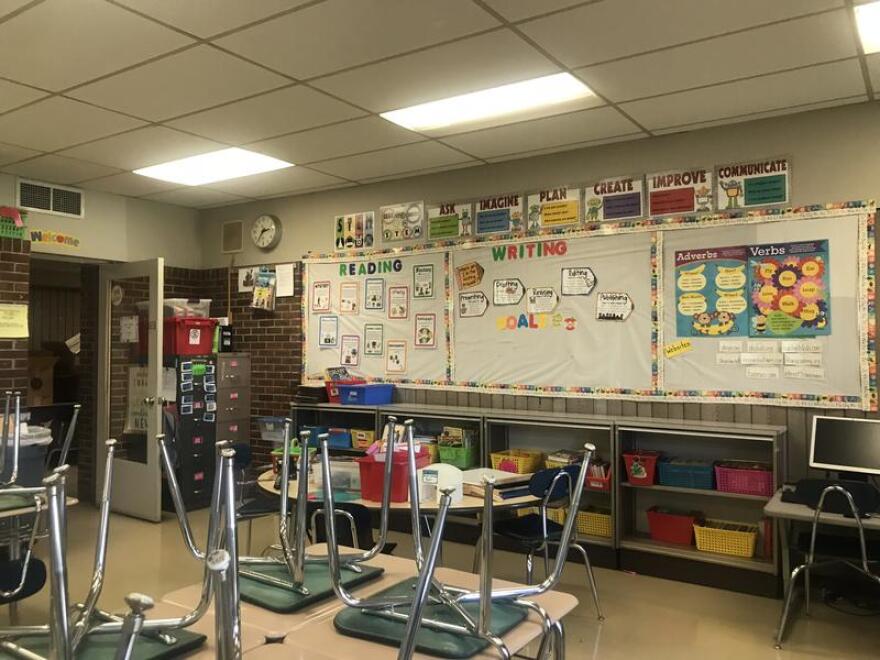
(684, 473)
(374, 394)
(339, 439)
(316, 431)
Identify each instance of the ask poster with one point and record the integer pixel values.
(450, 220)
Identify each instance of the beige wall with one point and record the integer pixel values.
(835, 156)
(120, 228)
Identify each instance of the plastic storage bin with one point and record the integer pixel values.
(315, 431)
(684, 473)
(182, 307)
(599, 483)
(461, 457)
(362, 438)
(271, 429)
(339, 439)
(188, 336)
(669, 526)
(726, 538)
(590, 522)
(744, 477)
(332, 387)
(344, 475)
(518, 461)
(641, 467)
(373, 475)
(373, 394)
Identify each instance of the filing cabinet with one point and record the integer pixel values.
(234, 397)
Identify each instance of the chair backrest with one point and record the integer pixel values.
(542, 480)
(243, 455)
(363, 524)
(865, 496)
(56, 417)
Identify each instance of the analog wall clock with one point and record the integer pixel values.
(266, 232)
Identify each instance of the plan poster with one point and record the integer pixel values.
(710, 292)
(558, 207)
(354, 231)
(403, 222)
(790, 289)
(499, 215)
(620, 198)
(680, 192)
(450, 221)
(757, 183)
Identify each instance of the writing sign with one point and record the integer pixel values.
(620, 198)
(680, 191)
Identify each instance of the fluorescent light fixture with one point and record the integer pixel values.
(214, 166)
(490, 103)
(868, 22)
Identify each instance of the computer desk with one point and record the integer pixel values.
(788, 513)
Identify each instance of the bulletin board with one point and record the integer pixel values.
(390, 307)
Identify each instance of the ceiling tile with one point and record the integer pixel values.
(398, 160)
(874, 69)
(59, 43)
(132, 185)
(196, 197)
(291, 179)
(488, 60)
(351, 137)
(567, 147)
(205, 18)
(607, 30)
(143, 147)
(425, 172)
(195, 79)
(779, 90)
(57, 169)
(59, 122)
(338, 34)
(541, 133)
(787, 45)
(282, 111)
(13, 95)
(10, 153)
(516, 10)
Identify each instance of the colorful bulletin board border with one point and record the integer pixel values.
(866, 400)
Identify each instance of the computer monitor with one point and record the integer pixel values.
(845, 445)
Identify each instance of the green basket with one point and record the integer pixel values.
(9, 230)
(461, 457)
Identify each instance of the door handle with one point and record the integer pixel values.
(149, 400)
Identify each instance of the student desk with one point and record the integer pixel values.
(252, 637)
(788, 513)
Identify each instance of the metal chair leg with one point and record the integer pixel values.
(590, 578)
(529, 567)
(250, 535)
(478, 557)
(807, 591)
(786, 609)
(546, 560)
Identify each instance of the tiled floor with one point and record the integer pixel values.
(645, 617)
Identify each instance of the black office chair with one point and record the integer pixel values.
(535, 533)
(60, 419)
(252, 501)
(832, 551)
(354, 526)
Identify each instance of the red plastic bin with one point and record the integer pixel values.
(181, 336)
(333, 387)
(641, 466)
(671, 527)
(373, 475)
(744, 479)
(598, 483)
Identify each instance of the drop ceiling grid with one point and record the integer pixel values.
(546, 29)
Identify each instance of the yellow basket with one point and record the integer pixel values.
(590, 523)
(726, 538)
(523, 461)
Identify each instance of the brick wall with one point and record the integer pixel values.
(15, 258)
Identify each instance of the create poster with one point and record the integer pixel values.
(680, 192)
(395, 356)
(423, 281)
(450, 220)
(321, 296)
(403, 222)
(756, 183)
(499, 215)
(578, 281)
(374, 293)
(350, 350)
(557, 207)
(328, 331)
(398, 302)
(425, 331)
(349, 298)
(619, 198)
(373, 338)
(354, 231)
(790, 289)
(710, 292)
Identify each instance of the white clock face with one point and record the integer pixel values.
(266, 232)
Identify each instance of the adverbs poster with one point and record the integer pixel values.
(499, 215)
(557, 207)
(373, 338)
(350, 350)
(403, 222)
(423, 281)
(680, 191)
(354, 231)
(450, 221)
(395, 356)
(756, 183)
(425, 331)
(790, 289)
(620, 198)
(710, 292)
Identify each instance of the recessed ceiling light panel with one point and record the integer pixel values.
(214, 166)
(503, 104)
(868, 22)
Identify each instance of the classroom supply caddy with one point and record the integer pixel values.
(726, 538)
(641, 466)
(685, 473)
(671, 526)
(745, 478)
(518, 461)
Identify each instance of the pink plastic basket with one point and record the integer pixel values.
(743, 480)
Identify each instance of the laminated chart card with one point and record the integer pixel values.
(499, 215)
(450, 220)
(680, 192)
(620, 198)
(710, 291)
(557, 207)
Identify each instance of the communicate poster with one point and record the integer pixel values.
(710, 288)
